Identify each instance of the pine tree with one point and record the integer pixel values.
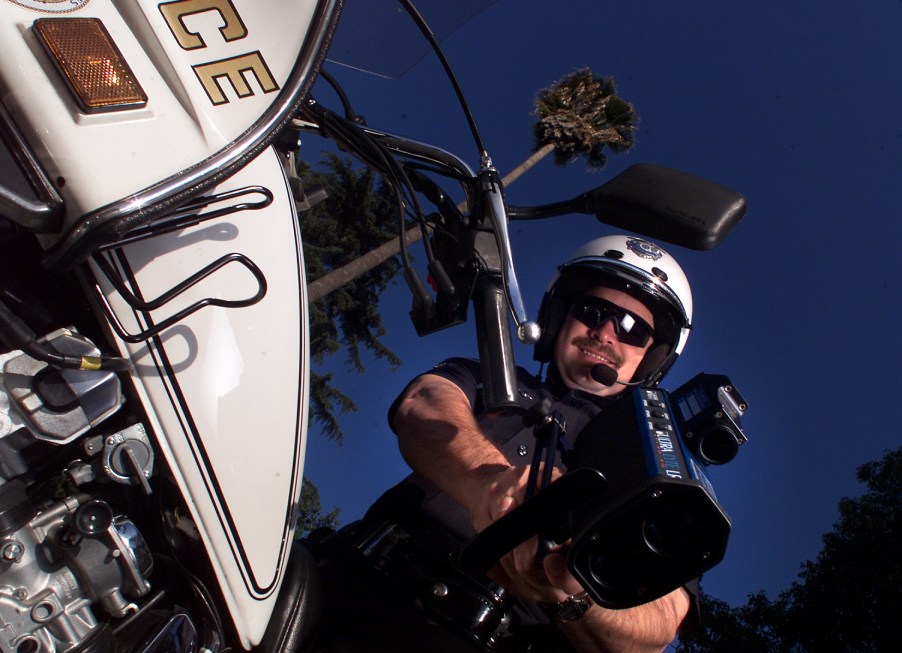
(580, 115)
(310, 511)
(358, 213)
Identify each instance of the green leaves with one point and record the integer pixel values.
(846, 601)
(310, 511)
(359, 214)
(581, 115)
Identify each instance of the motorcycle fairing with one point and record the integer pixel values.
(221, 77)
(226, 389)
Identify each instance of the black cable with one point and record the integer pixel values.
(17, 335)
(430, 36)
(375, 155)
(350, 114)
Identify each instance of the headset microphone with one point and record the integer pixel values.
(607, 376)
(603, 374)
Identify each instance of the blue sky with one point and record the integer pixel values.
(797, 106)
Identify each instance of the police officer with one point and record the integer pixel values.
(616, 313)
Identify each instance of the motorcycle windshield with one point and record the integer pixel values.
(379, 37)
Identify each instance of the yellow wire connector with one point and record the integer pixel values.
(91, 362)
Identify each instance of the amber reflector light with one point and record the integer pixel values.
(90, 63)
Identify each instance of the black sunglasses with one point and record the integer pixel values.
(629, 327)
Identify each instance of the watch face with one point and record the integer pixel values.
(570, 610)
(574, 608)
(51, 6)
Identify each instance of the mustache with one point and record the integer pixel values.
(592, 345)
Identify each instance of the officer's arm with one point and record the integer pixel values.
(441, 441)
(647, 628)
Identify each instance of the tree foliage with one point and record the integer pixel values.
(310, 511)
(582, 115)
(358, 214)
(351, 240)
(579, 115)
(847, 600)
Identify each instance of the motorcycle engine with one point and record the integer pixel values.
(64, 553)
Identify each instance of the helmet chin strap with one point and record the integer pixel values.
(651, 372)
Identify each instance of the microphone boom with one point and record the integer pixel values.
(604, 374)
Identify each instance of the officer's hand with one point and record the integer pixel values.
(518, 571)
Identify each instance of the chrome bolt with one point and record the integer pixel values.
(12, 551)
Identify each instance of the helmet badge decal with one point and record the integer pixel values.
(644, 249)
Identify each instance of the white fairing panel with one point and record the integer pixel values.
(209, 68)
(226, 388)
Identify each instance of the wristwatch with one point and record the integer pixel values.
(568, 610)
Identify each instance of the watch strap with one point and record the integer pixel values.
(568, 610)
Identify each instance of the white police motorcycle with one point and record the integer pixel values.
(154, 373)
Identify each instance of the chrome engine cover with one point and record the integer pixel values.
(67, 555)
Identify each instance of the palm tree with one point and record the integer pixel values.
(579, 115)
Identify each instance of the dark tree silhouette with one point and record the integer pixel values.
(845, 601)
(353, 219)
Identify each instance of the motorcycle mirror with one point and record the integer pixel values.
(658, 202)
(667, 204)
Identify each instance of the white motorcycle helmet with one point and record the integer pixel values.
(635, 266)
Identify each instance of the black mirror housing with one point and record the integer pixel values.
(669, 205)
